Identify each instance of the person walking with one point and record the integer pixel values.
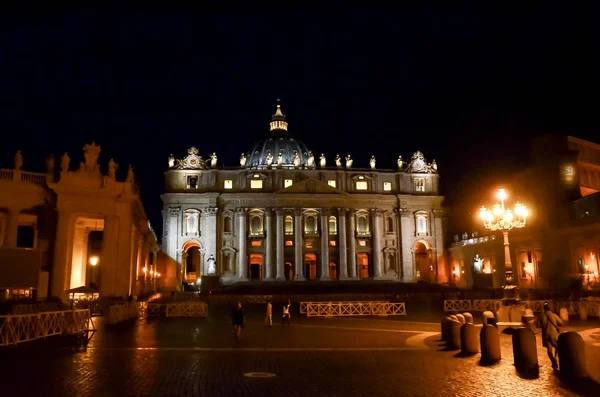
(237, 318)
(286, 315)
(549, 322)
(269, 314)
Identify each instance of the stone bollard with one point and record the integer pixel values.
(460, 318)
(563, 313)
(468, 339)
(571, 356)
(489, 340)
(445, 326)
(454, 335)
(453, 317)
(468, 318)
(525, 350)
(529, 320)
(486, 316)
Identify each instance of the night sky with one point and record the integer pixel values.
(466, 87)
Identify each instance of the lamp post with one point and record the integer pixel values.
(504, 219)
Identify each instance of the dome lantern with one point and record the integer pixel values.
(278, 119)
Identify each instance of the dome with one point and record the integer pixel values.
(267, 153)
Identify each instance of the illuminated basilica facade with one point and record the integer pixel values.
(286, 213)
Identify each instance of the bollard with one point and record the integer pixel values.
(454, 335)
(571, 356)
(563, 313)
(486, 316)
(453, 317)
(528, 312)
(468, 339)
(443, 328)
(489, 340)
(460, 318)
(445, 324)
(525, 350)
(468, 318)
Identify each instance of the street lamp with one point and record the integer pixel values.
(94, 260)
(501, 218)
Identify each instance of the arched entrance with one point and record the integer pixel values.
(311, 266)
(256, 263)
(191, 261)
(423, 264)
(363, 265)
(289, 271)
(333, 273)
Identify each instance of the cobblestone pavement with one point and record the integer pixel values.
(316, 356)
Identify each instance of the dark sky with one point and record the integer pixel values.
(465, 86)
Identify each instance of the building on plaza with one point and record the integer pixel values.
(68, 228)
(560, 245)
(290, 213)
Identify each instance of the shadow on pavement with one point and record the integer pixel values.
(583, 387)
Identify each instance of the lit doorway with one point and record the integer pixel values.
(423, 265)
(289, 271)
(256, 262)
(333, 273)
(311, 266)
(363, 265)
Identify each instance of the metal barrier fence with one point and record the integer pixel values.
(187, 309)
(35, 308)
(303, 305)
(124, 311)
(330, 309)
(573, 306)
(15, 329)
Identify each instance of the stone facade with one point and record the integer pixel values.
(63, 218)
(284, 215)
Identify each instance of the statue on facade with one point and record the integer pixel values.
(242, 160)
(338, 161)
(171, 161)
(50, 164)
(310, 161)
(112, 168)
(211, 269)
(349, 161)
(322, 160)
(91, 154)
(213, 160)
(64, 162)
(400, 163)
(269, 159)
(280, 160)
(18, 160)
(130, 176)
(433, 166)
(296, 160)
(372, 162)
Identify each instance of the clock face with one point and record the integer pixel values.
(193, 162)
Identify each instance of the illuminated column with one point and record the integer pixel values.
(351, 244)
(62, 254)
(269, 244)
(242, 270)
(343, 253)
(279, 247)
(377, 239)
(407, 231)
(12, 227)
(107, 267)
(324, 246)
(298, 244)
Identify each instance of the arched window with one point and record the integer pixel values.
(361, 224)
(421, 225)
(227, 225)
(332, 225)
(256, 224)
(289, 225)
(310, 224)
(389, 224)
(191, 222)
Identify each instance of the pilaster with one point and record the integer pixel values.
(351, 226)
(298, 246)
(407, 231)
(242, 266)
(342, 239)
(269, 259)
(279, 244)
(62, 254)
(377, 243)
(324, 246)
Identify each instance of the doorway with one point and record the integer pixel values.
(311, 266)
(256, 266)
(289, 271)
(363, 265)
(423, 265)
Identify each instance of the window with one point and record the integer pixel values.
(332, 225)
(361, 224)
(289, 225)
(389, 224)
(287, 183)
(310, 224)
(289, 243)
(256, 225)
(191, 223)
(387, 186)
(361, 185)
(421, 225)
(362, 243)
(227, 225)
(256, 184)
(256, 243)
(192, 182)
(228, 184)
(331, 182)
(332, 243)
(419, 184)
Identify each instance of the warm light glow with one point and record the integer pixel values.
(94, 260)
(501, 194)
(502, 218)
(145, 270)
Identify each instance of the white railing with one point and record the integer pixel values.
(154, 309)
(15, 329)
(457, 305)
(303, 305)
(187, 309)
(122, 312)
(335, 309)
(6, 174)
(482, 305)
(34, 177)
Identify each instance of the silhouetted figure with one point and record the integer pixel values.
(269, 314)
(237, 319)
(286, 315)
(549, 322)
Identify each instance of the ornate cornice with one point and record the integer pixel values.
(174, 211)
(405, 212)
(210, 211)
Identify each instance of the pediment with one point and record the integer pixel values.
(312, 186)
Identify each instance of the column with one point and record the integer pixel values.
(279, 245)
(407, 232)
(79, 257)
(209, 236)
(268, 272)
(377, 246)
(324, 246)
(351, 244)
(62, 254)
(107, 266)
(124, 251)
(242, 270)
(298, 246)
(342, 249)
(12, 228)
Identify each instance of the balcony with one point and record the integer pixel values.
(363, 234)
(314, 233)
(259, 234)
